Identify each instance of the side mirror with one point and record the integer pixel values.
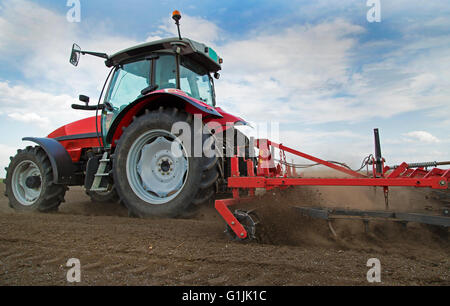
(84, 99)
(75, 55)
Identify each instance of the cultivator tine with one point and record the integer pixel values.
(386, 197)
(251, 210)
(330, 226)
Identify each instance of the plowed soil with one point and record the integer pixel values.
(116, 250)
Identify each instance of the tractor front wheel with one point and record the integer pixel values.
(29, 182)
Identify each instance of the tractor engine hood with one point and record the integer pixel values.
(84, 128)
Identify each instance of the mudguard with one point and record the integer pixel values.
(63, 169)
(126, 115)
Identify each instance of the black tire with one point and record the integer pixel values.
(243, 171)
(202, 174)
(247, 155)
(50, 195)
(110, 196)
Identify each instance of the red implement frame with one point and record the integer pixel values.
(271, 176)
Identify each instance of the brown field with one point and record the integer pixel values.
(117, 250)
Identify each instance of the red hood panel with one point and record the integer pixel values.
(83, 126)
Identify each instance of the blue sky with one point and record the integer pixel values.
(319, 68)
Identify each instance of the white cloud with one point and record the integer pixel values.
(39, 40)
(41, 109)
(5, 153)
(30, 118)
(290, 75)
(42, 39)
(307, 74)
(421, 136)
(196, 28)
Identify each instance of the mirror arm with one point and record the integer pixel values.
(98, 54)
(87, 107)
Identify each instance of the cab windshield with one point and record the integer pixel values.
(194, 78)
(130, 79)
(196, 81)
(127, 83)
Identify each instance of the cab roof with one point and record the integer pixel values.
(190, 48)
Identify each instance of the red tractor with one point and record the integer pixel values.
(127, 151)
(162, 147)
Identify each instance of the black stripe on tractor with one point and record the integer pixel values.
(76, 136)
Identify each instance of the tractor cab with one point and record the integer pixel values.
(173, 65)
(163, 65)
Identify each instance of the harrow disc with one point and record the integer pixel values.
(249, 221)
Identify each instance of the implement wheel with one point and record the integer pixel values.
(249, 221)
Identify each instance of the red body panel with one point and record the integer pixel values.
(83, 128)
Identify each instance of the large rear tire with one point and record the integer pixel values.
(150, 179)
(29, 182)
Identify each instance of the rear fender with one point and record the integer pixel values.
(227, 121)
(166, 98)
(62, 166)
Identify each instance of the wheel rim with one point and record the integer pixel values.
(25, 192)
(155, 170)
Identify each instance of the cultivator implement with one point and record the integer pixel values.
(272, 173)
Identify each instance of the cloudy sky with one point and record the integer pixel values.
(319, 68)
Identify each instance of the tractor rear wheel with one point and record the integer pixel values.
(29, 182)
(154, 174)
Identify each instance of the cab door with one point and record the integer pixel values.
(125, 87)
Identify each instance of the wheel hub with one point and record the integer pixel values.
(166, 166)
(26, 182)
(156, 171)
(33, 182)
